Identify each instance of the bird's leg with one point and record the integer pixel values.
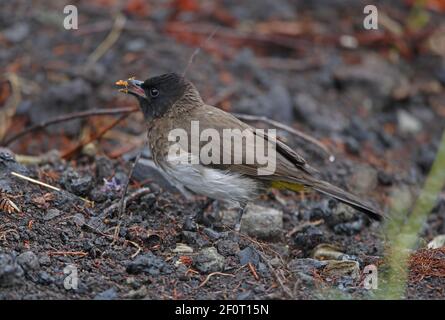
(239, 216)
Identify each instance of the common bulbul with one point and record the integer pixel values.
(170, 102)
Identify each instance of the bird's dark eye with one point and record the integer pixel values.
(154, 92)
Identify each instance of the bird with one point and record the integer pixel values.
(172, 104)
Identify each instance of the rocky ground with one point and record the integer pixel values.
(374, 98)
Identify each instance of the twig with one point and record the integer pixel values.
(102, 112)
(112, 37)
(110, 236)
(197, 50)
(131, 197)
(279, 125)
(285, 289)
(138, 247)
(252, 269)
(67, 253)
(77, 148)
(122, 202)
(304, 225)
(18, 175)
(214, 274)
(68, 117)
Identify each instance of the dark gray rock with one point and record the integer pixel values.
(75, 183)
(212, 234)
(352, 146)
(209, 260)
(148, 263)
(51, 214)
(261, 222)
(79, 219)
(190, 237)
(308, 238)
(249, 255)
(28, 261)
(17, 32)
(349, 228)
(385, 179)
(110, 294)
(357, 130)
(10, 271)
(45, 278)
(344, 219)
(246, 295)
(228, 248)
(8, 164)
(44, 260)
(189, 224)
(425, 157)
(304, 269)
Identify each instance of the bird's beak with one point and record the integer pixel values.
(132, 86)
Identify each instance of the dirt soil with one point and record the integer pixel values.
(375, 98)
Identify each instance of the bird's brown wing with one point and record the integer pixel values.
(286, 166)
(286, 163)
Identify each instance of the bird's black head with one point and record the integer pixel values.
(158, 94)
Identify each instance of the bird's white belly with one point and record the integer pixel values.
(230, 187)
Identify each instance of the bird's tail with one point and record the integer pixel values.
(333, 191)
(346, 197)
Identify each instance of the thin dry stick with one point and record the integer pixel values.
(68, 117)
(18, 175)
(285, 289)
(102, 112)
(279, 125)
(112, 37)
(110, 236)
(122, 202)
(253, 271)
(214, 274)
(197, 50)
(131, 197)
(68, 253)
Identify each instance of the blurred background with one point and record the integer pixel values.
(376, 93)
(374, 98)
